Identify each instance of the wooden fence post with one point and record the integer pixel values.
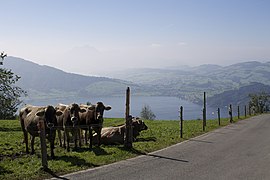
(230, 113)
(245, 111)
(238, 111)
(43, 146)
(204, 110)
(129, 130)
(181, 122)
(218, 111)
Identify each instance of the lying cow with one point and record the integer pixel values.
(68, 122)
(29, 119)
(92, 120)
(116, 135)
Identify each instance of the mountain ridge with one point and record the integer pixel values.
(42, 81)
(39, 79)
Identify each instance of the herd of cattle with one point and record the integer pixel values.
(73, 119)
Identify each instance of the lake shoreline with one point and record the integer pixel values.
(164, 107)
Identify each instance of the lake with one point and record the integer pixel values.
(165, 108)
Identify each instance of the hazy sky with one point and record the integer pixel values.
(95, 36)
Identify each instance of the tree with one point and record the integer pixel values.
(9, 93)
(2, 56)
(259, 102)
(147, 113)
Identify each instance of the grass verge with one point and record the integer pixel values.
(15, 164)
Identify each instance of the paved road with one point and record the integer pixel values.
(238, 151)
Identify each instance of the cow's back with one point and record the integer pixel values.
(112, 135)
(29, 119)
(87, 117)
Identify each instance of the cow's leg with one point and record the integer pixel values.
(59, 137)
(99, 136)
(67, 138)
(85, 136)
(75, 130)
(80, 137)
(90, 137)
(26, 141)
(25, 136)
(52, 139)
(32, 144)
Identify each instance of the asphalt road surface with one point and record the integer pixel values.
(237, 151)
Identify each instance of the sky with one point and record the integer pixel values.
(93, 37)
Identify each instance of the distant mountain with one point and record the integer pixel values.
(42, 81)
(190, 83)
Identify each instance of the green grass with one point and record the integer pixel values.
(15, 164)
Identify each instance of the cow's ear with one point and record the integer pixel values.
(91, 107)
(40, 113)
(58, 113)
(107, 108)
(82, 110)
(27, 110)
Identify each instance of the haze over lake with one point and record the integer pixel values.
(165, 108)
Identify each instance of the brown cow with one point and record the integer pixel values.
(116, 135)
(92, 119)
(68, 122)
(29, 118)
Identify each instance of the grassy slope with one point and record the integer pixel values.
(15, 164)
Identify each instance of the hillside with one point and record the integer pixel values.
(42, 81)
(237, 97)
(190, 82)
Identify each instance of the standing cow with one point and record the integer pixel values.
(68, 122)
(29, 119)
(93, 119)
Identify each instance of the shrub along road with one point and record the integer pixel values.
(237, 151)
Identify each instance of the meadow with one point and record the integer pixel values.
(16, 164)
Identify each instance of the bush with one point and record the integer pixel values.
(147, 113)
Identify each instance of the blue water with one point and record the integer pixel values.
(165, 108)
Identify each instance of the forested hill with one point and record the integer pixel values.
(41, 81)
(237, 97)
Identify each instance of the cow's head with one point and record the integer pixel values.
(74, 110)
(99, 111)
(49, 114)
(138, 126)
